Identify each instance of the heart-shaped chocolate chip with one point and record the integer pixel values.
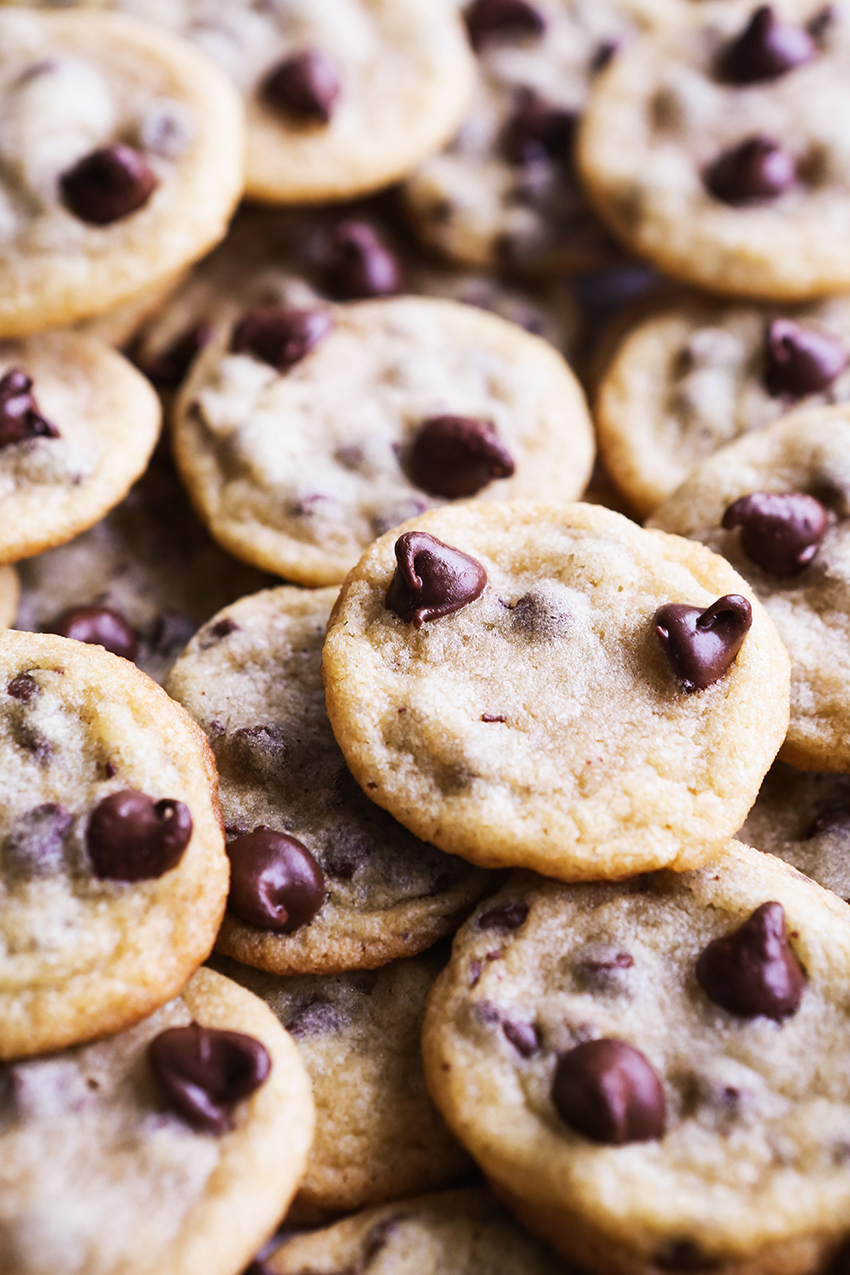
(131, 837)
(432, 579)
(275, 883)
(757, 170)
(780, 531)
(608, 1091)
(754, 970)
(280, 335)
(765, 49)
(801, 360)
(456, 456)
(108, 185)
(205, 1072)
(701, 645)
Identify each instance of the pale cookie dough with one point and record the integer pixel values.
(252, 679)
(542, 724)
(771, 221)
(84, 951)
(693, 376)
(104, 419)
(103, 1175)
(72, 85)
(298, 472)
(748, 1167)
(9, 594)
(806, 452)
(378, 1136)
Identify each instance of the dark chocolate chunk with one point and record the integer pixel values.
(510, 916)
(538, 131)
(316, 1019)
(35, 845)
(765, 49)
(832, 819)
(108, 185)
(456, 456)
(305, 86)
(486, 19)
(279, 335)
(204, 1072)
(23, 687)
(360, 265)
(275, 883)
(752, 172)
(523, 1037)
(701, 645)
(99, 626)
(131, 837)
(169, 368)
(432, 579)
(20, 418)
(753, 970)
(780, 531)
(608, 1091)
(801, 360)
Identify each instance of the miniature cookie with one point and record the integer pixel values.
(113, 875)
(693, 376)
(306, 433)
(653, 1074)
(716, 148)
(77, 426)
(775, 503)
(122, 160)
(358, 889)
(175, 1145)
(555, 688)
(378, 1136)
(9, 593)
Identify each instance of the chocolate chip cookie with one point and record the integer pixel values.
(9, 593)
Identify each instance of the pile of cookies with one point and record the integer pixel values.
(409, 862)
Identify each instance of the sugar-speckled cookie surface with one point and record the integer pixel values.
(113, 875)
(105, 1173)
(540, 721)
(122, 159)
(652, 1073)
(378, 1136)
(298, 470)
(788, 488)
(724, 165)
(252, 679)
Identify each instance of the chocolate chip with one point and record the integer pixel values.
(538, 131)
(510, 916)
(35, 846)
(257, 751)
(432, 579)
(169, 368)
(493, 717)
(457, 456)
(801, 360)
(832, 819)
(701, 645)
(218, 632)
(753, 970)
(765, 49)
(756, 170)
(360, 265)
(316, 1019)
(780, 531)
(608, 1091)
(603, 967)
(99, 626)
(543, 612)
(275, 883)
(488, 18)
(131, 837)
(24, 687)
(205, 1072)
(523, 1037)
(818, 25)
(279, 335)
(306, 86)
(170, 632)
(603, 55)
(20, 418)
(108, 185)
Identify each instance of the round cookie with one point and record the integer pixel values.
(137, 1154)
(652, 1073)
(716, 149)
(787, 535)
(385, 408)
(378, 1136)
(77, 426)
(9, 594)
(252, 679)
(122, 159)
(524, 706)
(113, 875)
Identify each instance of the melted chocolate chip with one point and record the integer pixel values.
(108, 185)
(801, 360)
(316, 1019)
(275, 883)
(765, 49)
(23, 687)
(131, 837)
(486, 19)
(753, 970)
(305, 86)
(99, 626)
(205, 1072)
(608, 1091)
(510, 916)
(20, 418)
(538, 131)
(35, 847)
(280, 336)
(456, 456)
(780, 531)
(756, 170)
(701, 645)
(168, 369)
(832, 819)
(432, 579)
(360, 265)
(523, 1037)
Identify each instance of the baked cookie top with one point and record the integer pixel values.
(190, 1129)
(378, 1135)
(655, 1069)
(113, 875)
(363, 890)
(302, 434)
(122, 158)
(548, 695)
(775, 503)
(716, 148)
